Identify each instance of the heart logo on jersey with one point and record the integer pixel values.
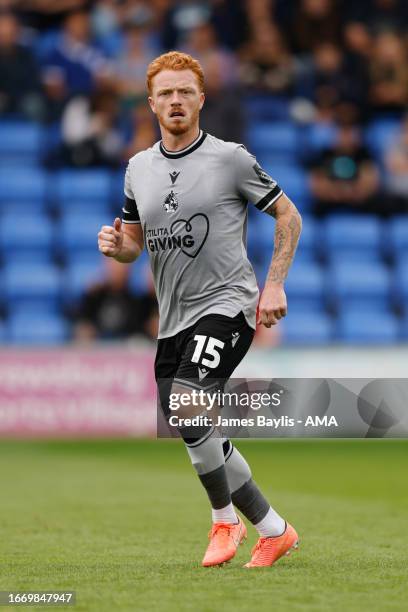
(196, 226)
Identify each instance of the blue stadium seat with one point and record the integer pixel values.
(28, 184)
(400, 284)
(306, 281)
(30, 232)
(3, 333)
(305, 306)
(364, 304)
(20, 142)
(404, 327)
(80, 231)
(348, 281)
(19, 208)
(83, 185)
(35, 307)
(22, 255)
(280, 137)
(89, 256)
(380, 135)
(78, 278)
(367, 328)
(339, 255)
(267, 108)
(292, 178)
(397, 236)
(356, 232)
(37, 329)
(319, 136)
(307, 328)
(117, 194)
(88, 207)
(30, 281)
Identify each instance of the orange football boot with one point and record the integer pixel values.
(268, 550)
(224, 541)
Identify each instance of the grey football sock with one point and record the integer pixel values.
(207, 458)
(245, 494)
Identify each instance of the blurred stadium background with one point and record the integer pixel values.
(316, 89)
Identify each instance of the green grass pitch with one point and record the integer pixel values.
(125, 525)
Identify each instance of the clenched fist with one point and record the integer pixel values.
(110, 239)
(272, 305)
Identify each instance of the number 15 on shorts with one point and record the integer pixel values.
(211, 350)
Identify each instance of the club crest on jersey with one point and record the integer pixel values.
(263, 176)
(170, 204)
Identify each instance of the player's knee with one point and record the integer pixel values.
(187, 402)
(193, 423)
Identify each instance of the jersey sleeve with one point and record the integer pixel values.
(130, 213)
(253, 183)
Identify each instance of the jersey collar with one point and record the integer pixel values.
(189, 149)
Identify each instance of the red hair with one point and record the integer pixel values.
(174, 60)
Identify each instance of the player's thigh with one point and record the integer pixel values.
(165, 368)
(214, 348)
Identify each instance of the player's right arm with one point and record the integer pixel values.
(122, 241)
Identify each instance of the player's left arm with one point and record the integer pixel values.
(273, 303)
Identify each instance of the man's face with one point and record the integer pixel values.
(8, 31)
(176, 100)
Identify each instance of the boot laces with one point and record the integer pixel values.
(219, 528)
(257, 549)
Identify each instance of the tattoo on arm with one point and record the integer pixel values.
(287, 231)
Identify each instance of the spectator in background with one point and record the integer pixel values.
(202, 43)
(181, 17)
(110, 311)
(396, 183)
(345, 177)
(152, 11)
(43, 15)
(388, 74)
(367, 18)
(130, 67)
(331, 76)
(222, 113)
(106, 17)
(91, 135)
(258, 10)
(20, 85)
(75, 59)
(106, 21)
(229, 20)
(312, 21)
(357, 37)
(143, 131)
(375, 16)
(266, 64)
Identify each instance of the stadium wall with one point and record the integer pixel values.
(109, 391)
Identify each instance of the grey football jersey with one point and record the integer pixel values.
(192, 205)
